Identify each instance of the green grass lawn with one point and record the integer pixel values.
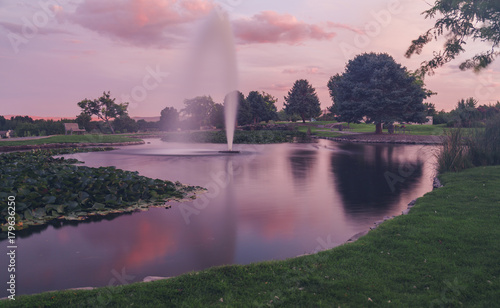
(368, 128)
(443, 254)
(71, 139)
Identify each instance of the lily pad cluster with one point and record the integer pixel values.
(47, 188)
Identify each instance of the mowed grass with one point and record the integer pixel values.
(71, 139)
(443, 254)
(368, 128)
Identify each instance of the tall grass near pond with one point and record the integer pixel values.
(465, 149)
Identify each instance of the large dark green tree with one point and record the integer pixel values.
(378, 89)
(460, 20)
(302, 100)
(83, 120)
(263, 106)
(216, 116)
(104, 108)
(244, 116)
(271, 113)
(198, 109)
(169, 119)
(125, 124)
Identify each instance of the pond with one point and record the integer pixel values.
(269, 202)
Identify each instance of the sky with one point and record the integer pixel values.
(155, 53)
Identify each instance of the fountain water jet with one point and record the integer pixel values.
(214, 58)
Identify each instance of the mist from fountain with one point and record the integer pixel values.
(212, 67)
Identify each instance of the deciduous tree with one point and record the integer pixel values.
(169, 119)
(460, 20)
(377, 88)
(104, 108)
(199, 108)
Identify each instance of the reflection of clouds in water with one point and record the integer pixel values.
(278, 202)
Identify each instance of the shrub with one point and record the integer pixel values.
(480, 147)
(454, 155)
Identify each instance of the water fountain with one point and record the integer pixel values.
(214, 58)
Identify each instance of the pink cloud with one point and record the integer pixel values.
(140, 22)
(272, 27)
(331, 24)
(308, 70)
(312, 70)
(290, 71)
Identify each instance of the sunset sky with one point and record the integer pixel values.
(55, 53)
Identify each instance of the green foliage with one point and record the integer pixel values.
(84, 120)
(48, 188)
(285, 117)
(125, 124)
(144, 125)
(376, 87)
(198, 109)
(245, 115)
(468, 114)
(303, 101)
(484, 144)
(3, 123)
(263, 106)
(169, 119)
(71, 139)
(24, 126)
(104, 108)
(245, 137)
(430, 109)
(454, 155)
(479, 147)
(460, 20)
(216, 116)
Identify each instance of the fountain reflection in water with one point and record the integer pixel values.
(212, 67)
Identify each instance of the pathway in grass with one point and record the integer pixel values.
(443, 254)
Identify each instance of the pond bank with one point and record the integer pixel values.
(444, 253)
(387, 138)
(13, 148)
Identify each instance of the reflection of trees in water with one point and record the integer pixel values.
(371, 178)
(59, 223)
(301, 163)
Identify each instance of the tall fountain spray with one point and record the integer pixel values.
(213, 68)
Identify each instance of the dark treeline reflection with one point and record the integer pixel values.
(302, 163)
(372, 178)
(58, 224)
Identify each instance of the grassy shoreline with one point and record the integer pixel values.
(70, 139)
(444, 253)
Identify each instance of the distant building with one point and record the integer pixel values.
(6, 133)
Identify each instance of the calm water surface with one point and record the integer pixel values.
(270, 202)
